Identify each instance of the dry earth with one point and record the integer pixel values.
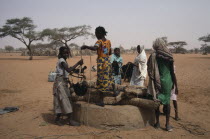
(23, 83)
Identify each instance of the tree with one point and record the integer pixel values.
(205, 48)
(122, 50)
(196, 50)
(75, 46)
(133, 49)
(66, 34)
(21, 29)
(165, 39)
(178, 46)
(205, 38)
(9, 48)
(20, 49)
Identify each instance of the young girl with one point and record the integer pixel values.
(61, 93)
(104, 74)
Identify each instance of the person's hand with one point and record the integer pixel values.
(83, 47)
(80, 62)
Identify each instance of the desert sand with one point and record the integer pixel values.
(24, 83)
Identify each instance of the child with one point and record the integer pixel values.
(104, 74)
(61, 93)
(116, 61)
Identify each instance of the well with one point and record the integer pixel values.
(122, 117)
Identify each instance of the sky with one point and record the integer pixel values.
(128, 22)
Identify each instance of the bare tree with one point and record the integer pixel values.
(21, 29)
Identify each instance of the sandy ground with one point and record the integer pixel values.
(23, 83)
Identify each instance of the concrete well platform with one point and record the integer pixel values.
(122, 117)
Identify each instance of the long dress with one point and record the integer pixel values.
(61, 91)
(104, 73)
(139, 73)
(166, 81)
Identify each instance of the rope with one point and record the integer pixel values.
(89, 89)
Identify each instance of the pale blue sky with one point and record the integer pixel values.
(128, 22)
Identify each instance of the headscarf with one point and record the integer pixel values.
(160, 46)
(142, 55)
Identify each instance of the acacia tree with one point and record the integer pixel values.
(21, 29)
(9, 48)
(66, 34)
(178, 46)
(205, 48)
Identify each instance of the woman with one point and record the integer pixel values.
(161, 78)
(104, 74)
(140, 68)
(61, 93)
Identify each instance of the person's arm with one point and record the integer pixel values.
(175, 83)
(93, 48)
(174, 79)
(69, 69)
(110, 51)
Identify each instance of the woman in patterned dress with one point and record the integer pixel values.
(104, 74)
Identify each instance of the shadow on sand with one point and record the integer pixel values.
(50, 118)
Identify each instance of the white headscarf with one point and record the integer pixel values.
(140, 72)
(142, 61)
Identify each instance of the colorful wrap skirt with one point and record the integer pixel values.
(104, 74)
